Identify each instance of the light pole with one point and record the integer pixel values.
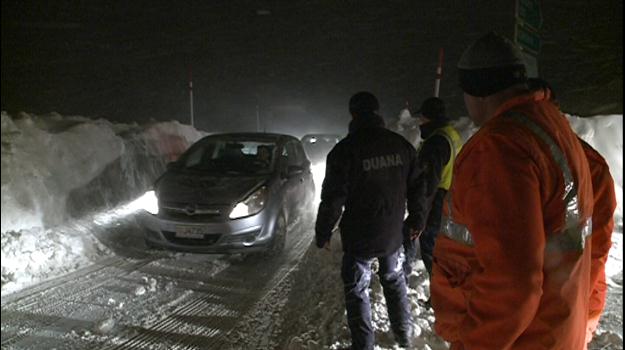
(257, 118)
(439, 73)
(191, 96)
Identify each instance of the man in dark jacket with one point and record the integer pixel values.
(436, 155)
(369, 173)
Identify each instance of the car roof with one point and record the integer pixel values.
(271, 137)
(321, 135)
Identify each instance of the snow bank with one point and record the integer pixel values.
(42, 162)
(45, 159)
(56, 168)
(605, 134)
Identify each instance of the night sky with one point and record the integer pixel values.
(297, 62)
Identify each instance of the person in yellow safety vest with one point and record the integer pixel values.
(436, 154)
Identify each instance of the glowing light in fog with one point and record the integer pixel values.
(147, 202)
(318, 171)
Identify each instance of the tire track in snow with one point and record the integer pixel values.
(231, 321)
(32, 307)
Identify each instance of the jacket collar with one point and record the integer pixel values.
(428, 128)
(531, 96)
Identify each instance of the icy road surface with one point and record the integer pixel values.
(143, 299)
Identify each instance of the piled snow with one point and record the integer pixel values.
(45, 158)
(605, 134)
(33, 255)
(407, 126)
(42, 162)
(57, 168)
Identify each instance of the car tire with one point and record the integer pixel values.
(278, 243)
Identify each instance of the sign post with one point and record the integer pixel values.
(439, 72)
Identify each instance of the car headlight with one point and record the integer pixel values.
(149, 202)
(251, 205)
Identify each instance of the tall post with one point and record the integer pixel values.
(257, 118)
(439, 72)
(191, 96)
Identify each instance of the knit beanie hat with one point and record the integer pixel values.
(433, 108)
(491, 64)
(363, 102)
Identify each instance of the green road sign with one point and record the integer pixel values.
(528, 11)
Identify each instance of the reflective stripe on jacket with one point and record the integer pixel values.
(512, 265)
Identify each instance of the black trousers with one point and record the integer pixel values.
(356, 275)
(427, 238)
(410, 255)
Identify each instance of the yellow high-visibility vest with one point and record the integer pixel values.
(455, 143)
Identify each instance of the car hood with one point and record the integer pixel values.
(206, 189)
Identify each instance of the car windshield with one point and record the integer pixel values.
(231, 156)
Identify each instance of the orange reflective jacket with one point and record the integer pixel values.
(602, 227)
(511, 263)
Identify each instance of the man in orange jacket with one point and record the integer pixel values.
(602, 219)
(512, 262)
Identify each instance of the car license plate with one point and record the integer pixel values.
(193, 232)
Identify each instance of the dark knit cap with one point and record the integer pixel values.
(363, 103)
(491, 64)
(433, 108)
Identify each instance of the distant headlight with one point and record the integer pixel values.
(251, 205)
(149, 202)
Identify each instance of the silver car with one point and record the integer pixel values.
(231, 193)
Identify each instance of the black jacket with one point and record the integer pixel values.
(370, 173)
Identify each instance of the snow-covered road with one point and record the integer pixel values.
(141, 299)
(145, 299)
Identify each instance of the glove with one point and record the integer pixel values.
(321, 243)
(415, 233)
(411, 233)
